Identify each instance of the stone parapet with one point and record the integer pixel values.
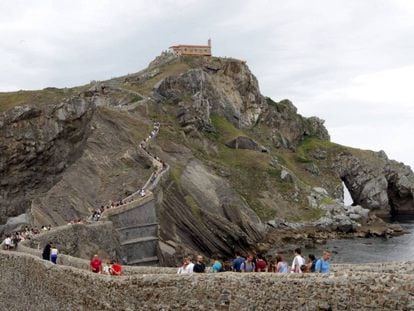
(128, 206)
(40, 285)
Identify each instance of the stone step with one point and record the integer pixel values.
(139, 240)
(145, 261)
(139, 248)
(138, 226)
(138, 231)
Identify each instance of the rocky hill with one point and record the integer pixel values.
(239, 161)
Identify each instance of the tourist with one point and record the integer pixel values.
(272, 266)
(297, 262)
(199, 266)
(53, 254)
(46, 252)
(15, 240)
(217, 265)
(96, 264)
(310, 266)
(8, 242)
(248, 265)
(323, 265)
(237, 262)
(261, 264)
(116, 268)
(187, 266)
(281, 266)
(107, 267)
(227, 266)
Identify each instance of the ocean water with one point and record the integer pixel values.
(371, 250)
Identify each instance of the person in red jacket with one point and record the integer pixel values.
(261, 264)
(115, 269)
(96, 264)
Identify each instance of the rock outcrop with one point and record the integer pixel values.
(37, 144)
(382, 185)
(221, 86)
(288, 127)
(243, 142)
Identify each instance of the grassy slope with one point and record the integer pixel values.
(46, 96)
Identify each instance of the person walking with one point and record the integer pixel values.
(199, 266)
(116, 268)
(281, 266)
(298, 261)
(53, 254)
(187, 266)
(46, 252)
(323, 265)
(248, 265)
(96, 264)
(237, 262)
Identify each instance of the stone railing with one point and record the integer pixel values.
(39, 284)
(127, 206)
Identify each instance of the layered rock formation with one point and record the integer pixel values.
(221, 86)
(288, 127)
(382, 185)
(37, 144)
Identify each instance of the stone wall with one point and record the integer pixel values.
(81, 240)
(28, 282)
(83, 264)
(406, 267)
(136, 223)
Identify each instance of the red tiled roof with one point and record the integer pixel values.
(189, 46)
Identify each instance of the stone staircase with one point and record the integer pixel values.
(136, 220)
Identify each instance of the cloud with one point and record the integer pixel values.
(349, 62)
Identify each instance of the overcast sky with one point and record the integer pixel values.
(349, 62)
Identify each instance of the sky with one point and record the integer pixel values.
(349, 62)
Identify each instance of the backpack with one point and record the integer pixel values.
(244, 266)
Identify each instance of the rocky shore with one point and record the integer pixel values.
(283, 237)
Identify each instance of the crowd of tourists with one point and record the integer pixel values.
(259, 263)
(13, 239)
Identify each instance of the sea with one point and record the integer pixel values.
(371, 250)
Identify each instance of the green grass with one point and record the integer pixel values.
(195, 209)
(311, 143)
(327, 201)
(309, 215)
(225, 130)
(175, 173)
(47, 96)
(170, 69)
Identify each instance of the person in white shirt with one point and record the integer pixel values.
(298, 261)
(187, 267)
(53, 254)
(8, 242)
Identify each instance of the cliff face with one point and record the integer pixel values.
(215, 86)
(37, 144)
(238, 159)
